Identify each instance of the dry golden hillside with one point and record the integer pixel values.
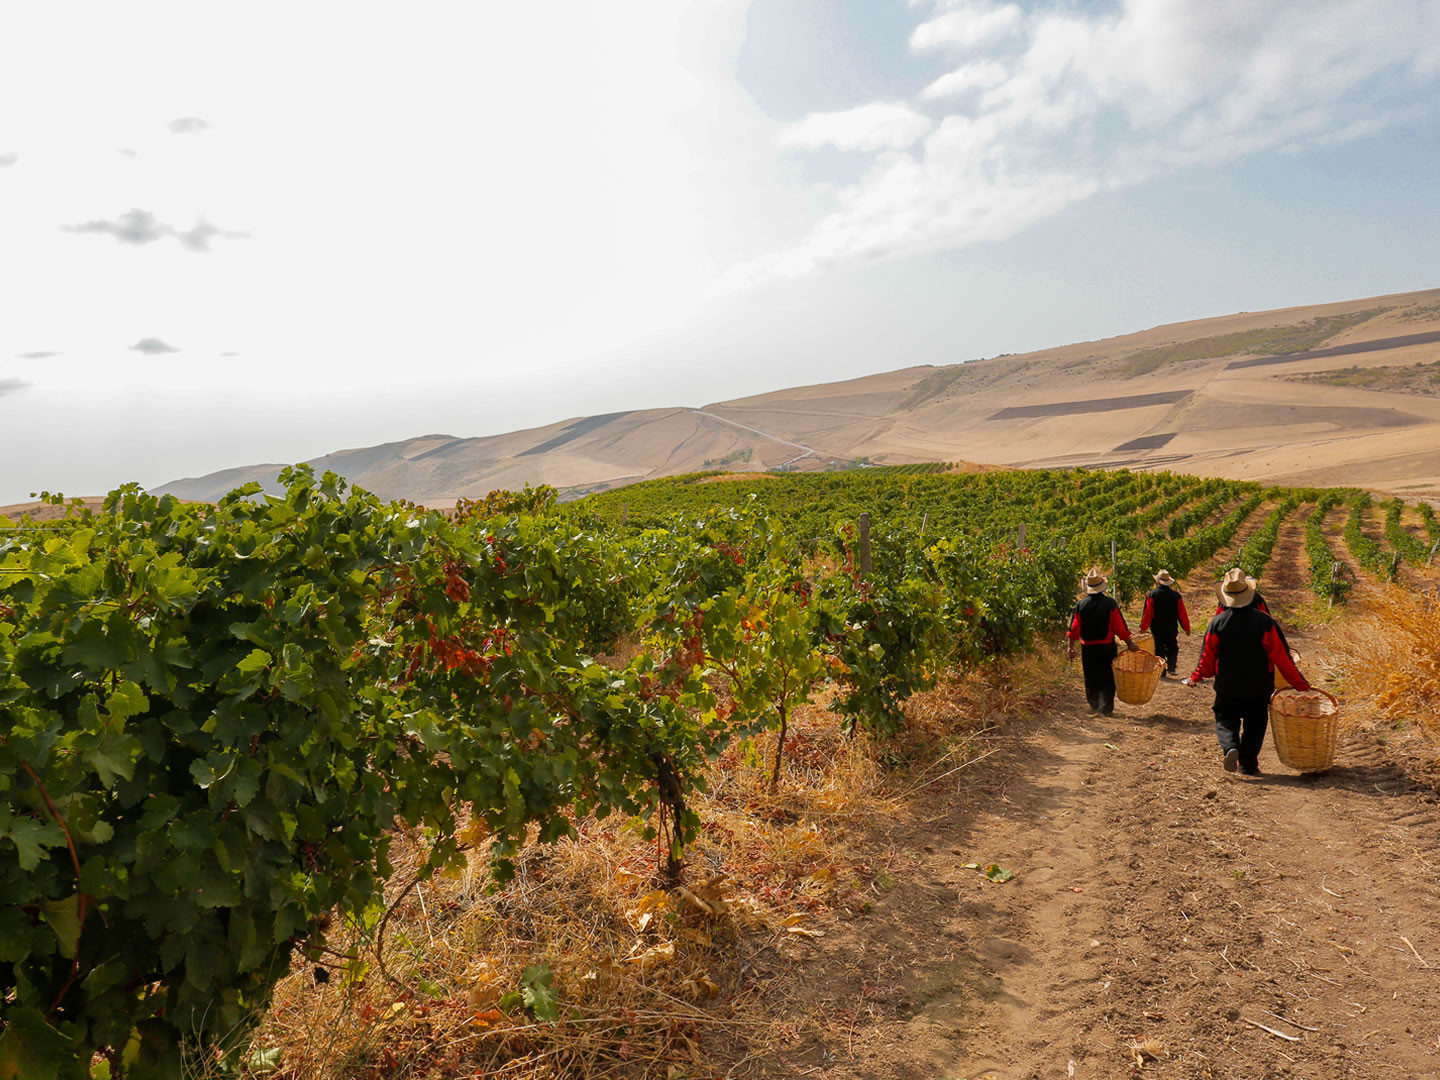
(1223, 396)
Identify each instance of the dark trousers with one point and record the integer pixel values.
(1099, 676)
(1240, 724)
(1167, 646)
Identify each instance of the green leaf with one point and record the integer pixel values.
(262, 1061)
(126, 700)
(996, 872)
(537, 991)
(257, 660)
(64, 918)
(30, 1049)
(113, 757)
(31, 838)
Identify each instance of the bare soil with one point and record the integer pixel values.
(1161, 910)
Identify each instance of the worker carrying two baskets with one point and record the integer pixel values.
(1242, 649)
(1097, 624)
(1165, 616)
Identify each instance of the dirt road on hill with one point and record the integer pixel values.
(1163, 913)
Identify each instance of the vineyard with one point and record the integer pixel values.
(220, 718)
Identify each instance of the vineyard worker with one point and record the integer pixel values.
(1242, 649)
(1165, 616)
(1096, 624)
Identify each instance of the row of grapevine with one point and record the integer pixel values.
(1370, 555)
(1432, 523)
(1408, 546)
(1327, 577)
(220, 714)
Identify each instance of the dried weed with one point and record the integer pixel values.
(1389, 654)
(646, 982)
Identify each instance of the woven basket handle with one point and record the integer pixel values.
(1312, 690)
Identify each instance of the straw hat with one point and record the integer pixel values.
(1164, 578)
(1095, 580)
(1235, 589)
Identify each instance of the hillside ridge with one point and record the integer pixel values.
(1224, 396)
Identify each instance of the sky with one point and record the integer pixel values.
(257, 233)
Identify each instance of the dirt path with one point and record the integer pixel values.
(1157, 902)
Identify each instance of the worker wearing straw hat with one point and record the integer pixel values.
(1242, 649)
(1165, 616)
(1258, 602)
(1096, 624)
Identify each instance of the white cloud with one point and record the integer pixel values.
(1074, 103)
(966, 28)
(977, 76)
(869, 127)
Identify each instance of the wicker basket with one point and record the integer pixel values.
(1137, 674)
(1145, 643)
(1304, 725)
(1280, 681)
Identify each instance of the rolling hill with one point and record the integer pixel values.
(1343, 393)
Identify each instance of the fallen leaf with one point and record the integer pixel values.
(654, 956)
(998, 873)
(694, 901)
(795, 919)
(806, 931)
(488, 1018)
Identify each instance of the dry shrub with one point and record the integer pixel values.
(976, 697)
(649, 982)
(1389, 654)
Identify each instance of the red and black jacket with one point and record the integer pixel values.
(1164, 610)
(1242, 649)
(1097, 621)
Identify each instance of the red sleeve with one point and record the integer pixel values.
(1280, 658)
(1263, 607)
(1184, 617)
(1206, 668)
(1117, 625)
(1149, 614)
(1074, 632)
(1219, 609)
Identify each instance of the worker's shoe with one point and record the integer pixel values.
(1232, 760)
(1250, 770)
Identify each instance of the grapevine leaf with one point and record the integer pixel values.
(30, 1049)
(30, 838)
(538, 993)
(64, 918)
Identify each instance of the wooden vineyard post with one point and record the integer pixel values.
(865, 546)
(624, 514)
(1020, 537)
(924, 518)
(1334, 575)
(1433, 548)
(1113, 565)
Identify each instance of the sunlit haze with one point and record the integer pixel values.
(261, 232)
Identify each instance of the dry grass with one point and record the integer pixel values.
(650, 983)
(1389, 655)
